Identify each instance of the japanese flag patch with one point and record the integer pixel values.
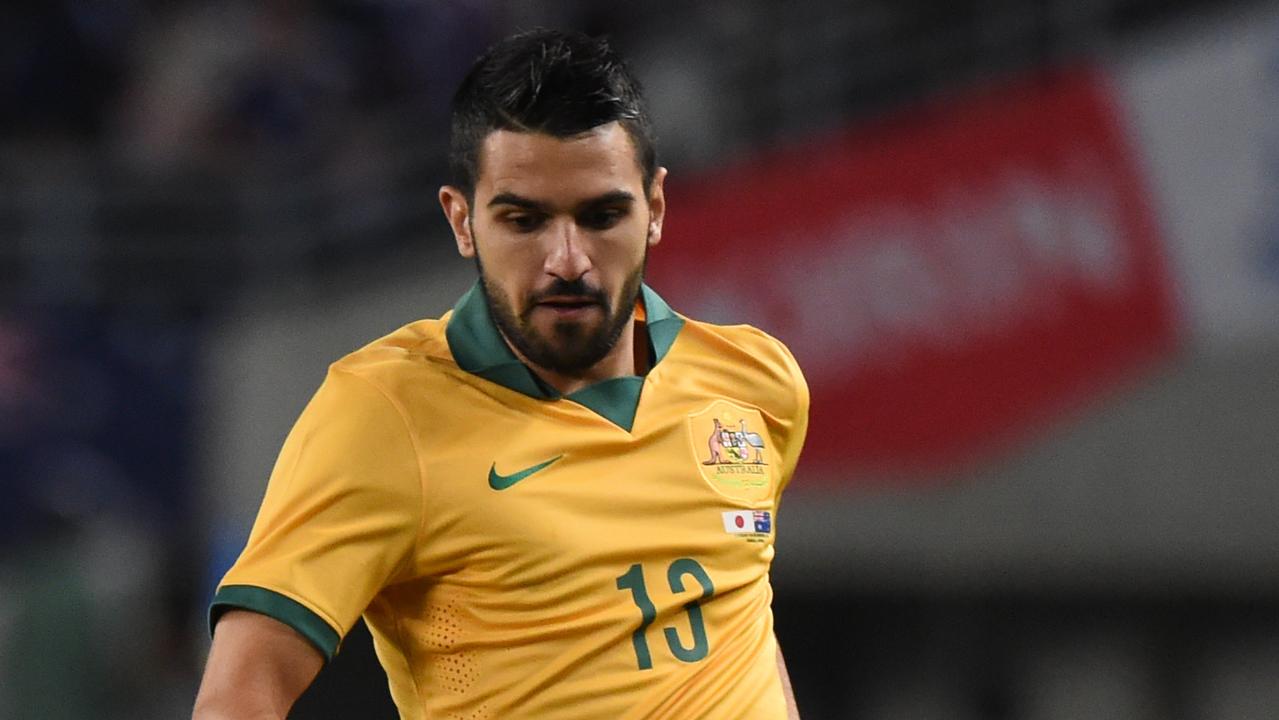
(748, 522)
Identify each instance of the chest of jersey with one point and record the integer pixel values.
(527, 493)
(549, 527)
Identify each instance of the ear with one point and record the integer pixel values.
(656, 207)
(458, 212)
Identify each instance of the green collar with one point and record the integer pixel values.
(478, 348)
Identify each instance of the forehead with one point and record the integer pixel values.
(545, 167)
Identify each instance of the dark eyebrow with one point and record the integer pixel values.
(507, 198)
(609, 198)
(615, 197)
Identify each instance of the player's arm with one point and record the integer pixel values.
(338, 522)
(257, 669)
(792, 710)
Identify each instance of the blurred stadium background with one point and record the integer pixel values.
(1028, 252)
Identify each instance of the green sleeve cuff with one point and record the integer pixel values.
(277, 606)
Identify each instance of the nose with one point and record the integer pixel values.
(567, 258)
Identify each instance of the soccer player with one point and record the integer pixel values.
(557, 500)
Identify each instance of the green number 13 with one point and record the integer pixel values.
(633, 580)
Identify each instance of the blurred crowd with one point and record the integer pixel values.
(95, 537)
(203, 84)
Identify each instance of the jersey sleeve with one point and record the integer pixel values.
(340, 518)
(794, 422)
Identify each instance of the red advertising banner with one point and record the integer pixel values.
(950, 279)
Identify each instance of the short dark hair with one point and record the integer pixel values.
(561, 83)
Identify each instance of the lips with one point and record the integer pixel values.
(569, 309)
(568, 302)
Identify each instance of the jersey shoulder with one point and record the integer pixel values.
(415, 353)
(748, 358)
(743, 345)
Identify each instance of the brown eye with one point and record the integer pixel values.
(524, 222)
(602, 219)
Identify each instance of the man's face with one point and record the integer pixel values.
(560, 229)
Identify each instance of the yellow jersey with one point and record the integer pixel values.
(521, 554)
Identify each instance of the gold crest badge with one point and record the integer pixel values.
(733, 451)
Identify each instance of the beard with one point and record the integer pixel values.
(570, 348)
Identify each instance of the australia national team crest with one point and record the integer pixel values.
(732, 451)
